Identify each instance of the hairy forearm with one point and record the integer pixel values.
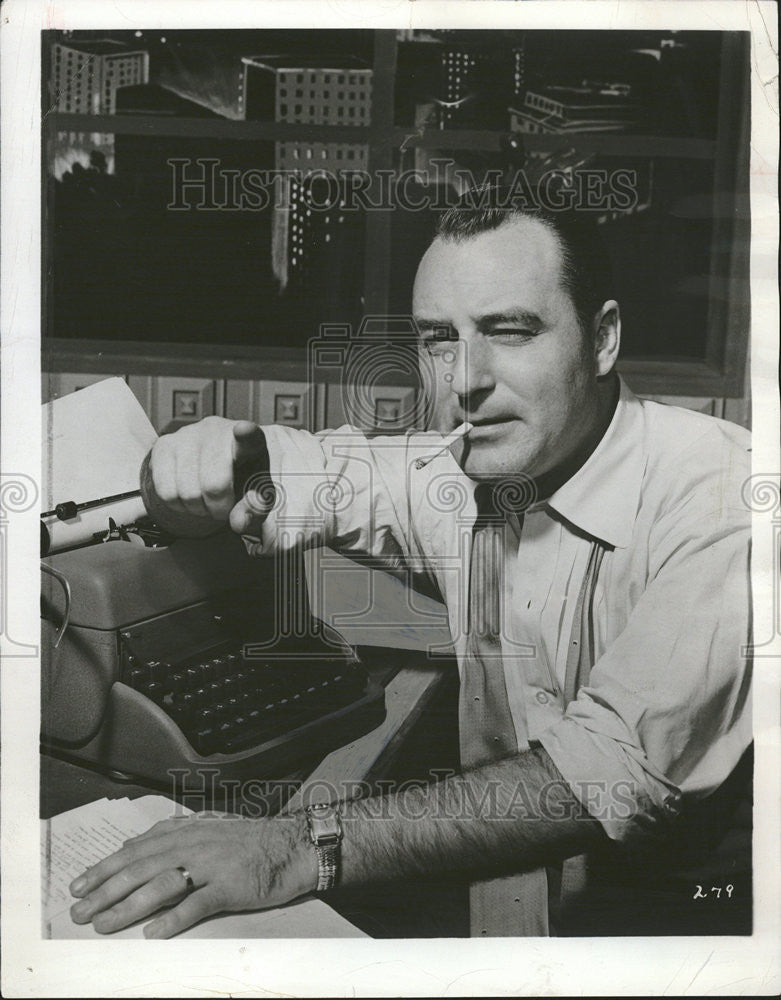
(507, 816)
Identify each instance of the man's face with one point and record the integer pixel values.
(521, 370)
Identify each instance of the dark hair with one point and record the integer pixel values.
(586, 273)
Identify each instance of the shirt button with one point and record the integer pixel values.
(541, 697)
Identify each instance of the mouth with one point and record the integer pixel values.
(488, 428)
(492, 422)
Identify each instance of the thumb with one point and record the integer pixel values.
(248, 440)
(251, 461)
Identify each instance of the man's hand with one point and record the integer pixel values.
(235, 864)
(194, 476)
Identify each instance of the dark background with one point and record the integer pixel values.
(122, 267)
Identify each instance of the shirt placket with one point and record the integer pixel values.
(535, 694)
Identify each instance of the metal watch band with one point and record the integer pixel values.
(327, 866)
(325, 832)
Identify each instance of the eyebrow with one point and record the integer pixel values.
(523, 316)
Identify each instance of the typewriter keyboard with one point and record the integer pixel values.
(225, 703)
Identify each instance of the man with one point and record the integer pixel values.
(599, 606)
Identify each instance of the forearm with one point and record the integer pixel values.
(504, 817)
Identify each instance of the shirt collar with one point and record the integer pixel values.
(602, 498)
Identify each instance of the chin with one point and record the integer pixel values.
(486, 468)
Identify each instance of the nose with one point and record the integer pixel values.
(471, 372)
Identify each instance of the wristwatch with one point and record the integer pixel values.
(325, 831)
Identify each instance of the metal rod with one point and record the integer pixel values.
(69, 508)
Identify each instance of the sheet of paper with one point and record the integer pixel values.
(81, 837)
(94, 442)
(310, 918)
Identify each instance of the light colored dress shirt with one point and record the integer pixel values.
(665, 711)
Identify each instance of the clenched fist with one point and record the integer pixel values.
(207, 475)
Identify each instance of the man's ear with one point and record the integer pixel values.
(607, 337)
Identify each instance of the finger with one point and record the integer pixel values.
(195, 907)
(97, 874)
(163, 889)
(250, 457)
(118, 886)
(162, 466)
(248, 440)
(246, 519)
(216, 476)
(188, 470)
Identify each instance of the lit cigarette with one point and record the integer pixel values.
(451, 439)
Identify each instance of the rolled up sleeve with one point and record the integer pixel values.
(666, 714)
(341, 489)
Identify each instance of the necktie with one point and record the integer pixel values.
(516, 905)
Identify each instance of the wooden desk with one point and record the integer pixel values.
(370, 756)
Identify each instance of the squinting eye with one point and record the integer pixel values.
(512, 336)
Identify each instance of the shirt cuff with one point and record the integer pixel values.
(612, 782)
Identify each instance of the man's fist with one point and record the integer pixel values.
(207, 475)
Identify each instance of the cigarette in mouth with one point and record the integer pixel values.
(456, 435)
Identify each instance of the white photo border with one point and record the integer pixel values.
(487, 967)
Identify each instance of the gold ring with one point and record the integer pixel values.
(187, 878)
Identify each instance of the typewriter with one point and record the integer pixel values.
(163, 657)
(170, 660)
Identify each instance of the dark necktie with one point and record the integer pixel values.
(516, 905)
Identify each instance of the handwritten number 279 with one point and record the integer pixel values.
(716, 890)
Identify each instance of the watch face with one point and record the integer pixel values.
(324, 822)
